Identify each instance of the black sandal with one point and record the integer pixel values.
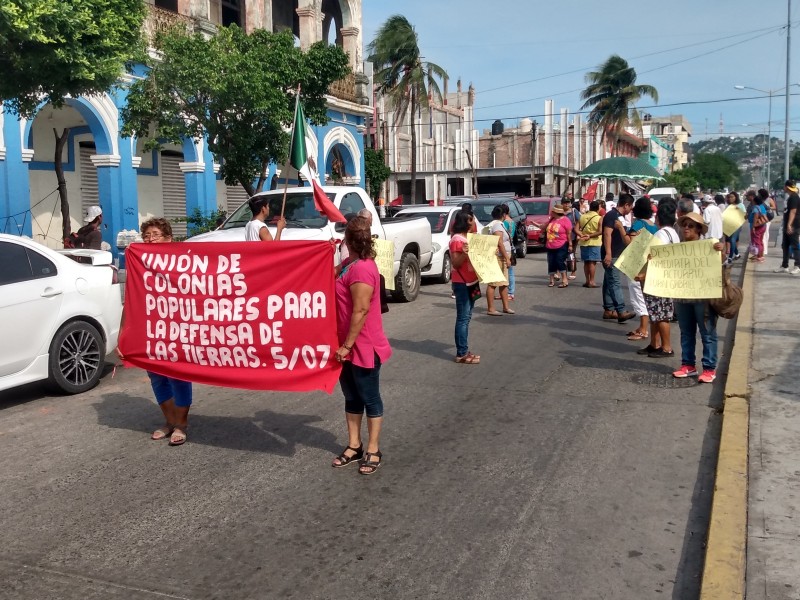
(345, 460)
(370, 464)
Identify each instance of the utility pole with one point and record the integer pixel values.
(474, 175)
(533, 158)
(788, 90)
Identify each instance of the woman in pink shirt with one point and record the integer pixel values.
(559, 245)
(364, 347)
(464, 276)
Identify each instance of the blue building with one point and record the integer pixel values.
(131, 185)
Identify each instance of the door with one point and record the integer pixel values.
(30, 302)
(173, 191)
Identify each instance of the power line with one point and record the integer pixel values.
(766, 30)
(642, 72)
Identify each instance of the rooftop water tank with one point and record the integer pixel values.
(497, 127)
(525, 125)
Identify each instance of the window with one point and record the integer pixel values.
(167, 4)
(16, 266)
(351, 204)
(41, 266)
(231, 13)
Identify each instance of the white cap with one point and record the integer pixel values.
(92, 213)
(707, 199)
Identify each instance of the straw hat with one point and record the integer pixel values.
(694, 218)
(557, 210)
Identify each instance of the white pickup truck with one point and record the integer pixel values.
(413, 247)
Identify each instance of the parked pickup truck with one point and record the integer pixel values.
(411, 236)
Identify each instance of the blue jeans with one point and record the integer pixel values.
(557, 259)
(166, 388)
(691, 317)
(512, 281)
(464, 306)
(612, 288)
(361, 389)
(734, 240)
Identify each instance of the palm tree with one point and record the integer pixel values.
(403, 77)
(612, 94)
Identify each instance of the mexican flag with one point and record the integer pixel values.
(306, 165)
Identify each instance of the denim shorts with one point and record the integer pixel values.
(590, 253)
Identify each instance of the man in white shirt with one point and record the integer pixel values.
(712, 216)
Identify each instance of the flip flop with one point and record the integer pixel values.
(563, 285)
(161, 433)
(509, 311)
(636, 337)
(494, 313)
(551, 284)
(178, 437)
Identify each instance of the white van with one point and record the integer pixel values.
(665, 192)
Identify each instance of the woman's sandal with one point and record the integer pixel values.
(345, 460)
(635, 336)
(178, 437)
(368, 467)
(162, 432)
(551, 284)
(468, 359)
(563, 285)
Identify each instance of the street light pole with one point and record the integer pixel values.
(788, 70)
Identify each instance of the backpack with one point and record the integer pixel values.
(727, 307)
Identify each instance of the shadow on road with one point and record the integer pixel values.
(266, 431)
(426, 347)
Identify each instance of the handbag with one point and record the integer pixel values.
(474, 289)
(727, 307)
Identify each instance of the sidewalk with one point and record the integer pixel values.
(773, 521)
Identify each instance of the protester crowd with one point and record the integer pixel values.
(601, 229)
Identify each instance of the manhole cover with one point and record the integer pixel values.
(664, 380)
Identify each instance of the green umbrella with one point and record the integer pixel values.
(621, 167)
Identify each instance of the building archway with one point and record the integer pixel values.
(343, 151)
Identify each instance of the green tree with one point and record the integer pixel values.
(375, 170)
(612, 94)
(715, 171)
(683, 180)
(51, 49)
(238, 90)
(403, 77)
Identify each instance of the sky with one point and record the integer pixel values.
(691, 51)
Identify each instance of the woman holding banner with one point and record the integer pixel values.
(174, 396)
(364, 347)
(694, 315)
(464, 278)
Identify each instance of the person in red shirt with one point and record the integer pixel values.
(364, 346)
(464, 279)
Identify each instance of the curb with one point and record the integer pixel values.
(726, 548)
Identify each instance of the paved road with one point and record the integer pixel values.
(563, 466)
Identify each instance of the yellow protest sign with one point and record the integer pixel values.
(732, 219)
(634, 256)
(385, 260)
(689, 271)
(483, 256)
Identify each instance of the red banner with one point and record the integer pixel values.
(259, 316)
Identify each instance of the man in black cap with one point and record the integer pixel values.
(790, 241)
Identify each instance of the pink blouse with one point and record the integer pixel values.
(371, 340)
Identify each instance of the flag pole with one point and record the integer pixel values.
(291, 141)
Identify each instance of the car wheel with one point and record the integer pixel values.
(447, 269)
(77, 355)
(407, 282)
(522, 250)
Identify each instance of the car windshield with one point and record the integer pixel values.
(536, 208)
(300, 212)
(483, 212)
(438, 220)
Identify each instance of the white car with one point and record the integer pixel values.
(60, 313)
(441, 219)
